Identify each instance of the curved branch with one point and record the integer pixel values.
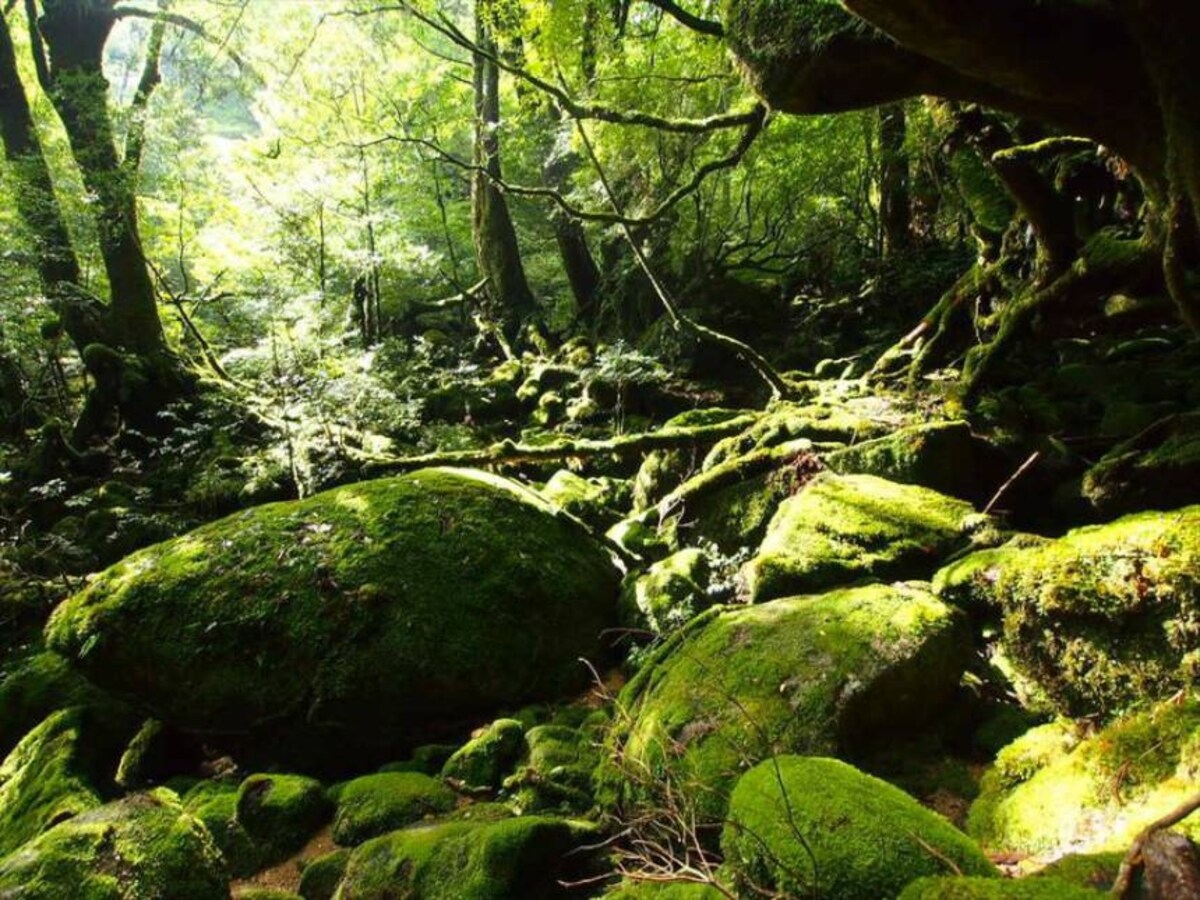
(682, 192)
(187, 24)
(576, 109)
(688, 20)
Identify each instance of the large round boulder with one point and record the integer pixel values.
(817, 675)
(365, 616)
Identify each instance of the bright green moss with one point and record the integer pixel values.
(668, 594)
(350, 618)
(1097, 871)
(35, 685)
(43, 780)
(1102, 618)
(1050, 790)
(808, 826)
(483, 761)
(806, 674)
(556, 773)
(841, 529)
(144, 847)
(522, 857)
(375, 804)
(264, 893)
(660, 891)
(320, 877)
(943, 456)
(214, 803)
(281, 812)
(996, 889)
(589, 499)
(788, 422)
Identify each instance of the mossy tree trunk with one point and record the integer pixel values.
(497, 251)
(68, 47)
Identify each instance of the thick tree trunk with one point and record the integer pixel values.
(75, 32)
(497, 251)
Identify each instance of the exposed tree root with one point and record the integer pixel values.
(509, 453)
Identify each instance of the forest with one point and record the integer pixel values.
(625, 449)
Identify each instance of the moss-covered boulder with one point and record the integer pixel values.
(656, 890)
(214, 803)
(952, 888)
(814, 675)
(556, 771)
(144, 847)
(809, 826)
(1159, 468)
(943, 456)
(45, 779)
(37, 683)
(281, 812)
(320, 877)
(668, 594)
(819, 422)
(596, 501)
(360, 617)
(1103, 618)
(1051, 790)
(523, 857)
(376, 804)
(842, 529)
(484, 760)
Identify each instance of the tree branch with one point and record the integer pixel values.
(187, 24)
(698, 178)
(576, 109)
(688, 20)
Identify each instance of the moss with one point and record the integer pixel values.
(214, 803)
(668, 594)
(320, 877)
(33, 686)
(788, 422)
(1157, 469)
(375, 804)
(144, 847)
(556, 773)
(995, 889)
(841, 529)
(43, 780)
(484, 760)
(281, 812)
(815, 675)
(523, 857)
(585, 498)
(353, 620)
(1051, 791)
(265, 893)
(653, 890)
(1103, 618)
(943, 456)
(808, 826)
(1097, 871)
(427, 759)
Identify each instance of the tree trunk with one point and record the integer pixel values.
(496, 249)
(895, 206)
(38, 207)
(75, 32)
